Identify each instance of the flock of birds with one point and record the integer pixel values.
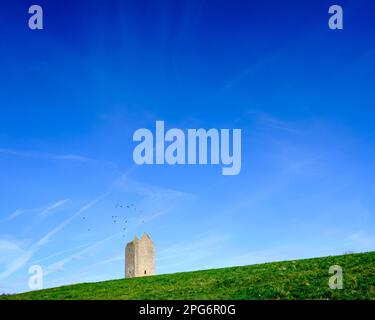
(118, 220)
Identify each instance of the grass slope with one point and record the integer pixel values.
(299, 279)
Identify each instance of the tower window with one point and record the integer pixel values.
(145, 271)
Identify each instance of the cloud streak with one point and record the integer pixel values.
(52, 207)
(44, 210)
(24, 258)
(43, 155)
(58, 266)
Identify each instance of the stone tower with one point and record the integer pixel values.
(140, 257)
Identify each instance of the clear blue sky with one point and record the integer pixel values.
(72, 95)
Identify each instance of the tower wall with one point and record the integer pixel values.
(140, 257)
(130, 260)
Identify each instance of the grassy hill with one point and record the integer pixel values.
(299, 279)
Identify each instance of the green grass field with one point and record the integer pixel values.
(299, 279)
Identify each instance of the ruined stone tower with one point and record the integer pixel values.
(140, 257)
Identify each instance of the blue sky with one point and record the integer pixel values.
(72, 95)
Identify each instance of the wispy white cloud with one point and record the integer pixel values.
(266, 120)
(362, 240)
(52, 207)
(86, 207)
(19, 212)
(41, 211)
(149, 191)
(58, 266)
(275, 123)
(116, 258)
(9, 250)
(59, 253)
(251, 70)
(56, 157)
(263, 256)
(24, 258)
(150, 217)
(153, 202)
(188, 255)
(17, 264)
(151, 194)
(44, 155)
